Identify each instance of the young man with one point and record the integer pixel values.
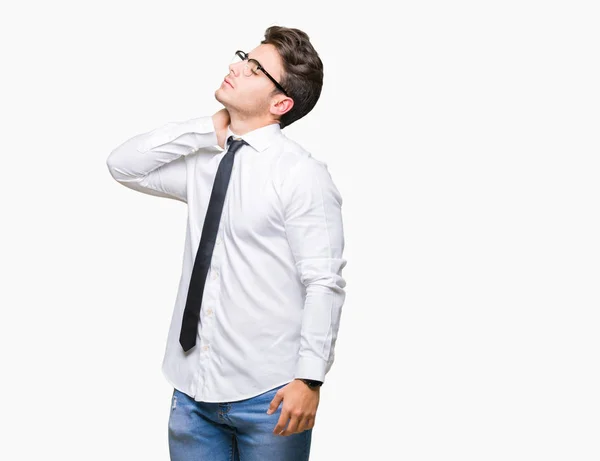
(257, 313)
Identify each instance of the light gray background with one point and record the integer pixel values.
(463, 137)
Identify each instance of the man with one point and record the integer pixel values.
(260, 296)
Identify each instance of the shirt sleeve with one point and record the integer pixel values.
(314, 228)
(154, 162)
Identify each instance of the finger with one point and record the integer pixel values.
(275, 402)
(305, 424)
(292, 425)
(283, 419)
(302, 423)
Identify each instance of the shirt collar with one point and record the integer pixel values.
(260, 138)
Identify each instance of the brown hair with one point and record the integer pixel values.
(302, 75)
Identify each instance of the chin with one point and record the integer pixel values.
(218, 96)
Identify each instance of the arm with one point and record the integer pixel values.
(154, 162)
(313, 222)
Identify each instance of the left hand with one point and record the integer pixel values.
(221, 120)
(299, 403)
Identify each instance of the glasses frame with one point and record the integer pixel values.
(244, 56)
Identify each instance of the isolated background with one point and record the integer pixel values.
(464, 138)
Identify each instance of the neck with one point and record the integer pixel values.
(242, 126)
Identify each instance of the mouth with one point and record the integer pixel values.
(227, 82)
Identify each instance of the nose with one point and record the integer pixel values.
(234, 69)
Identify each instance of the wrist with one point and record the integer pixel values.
(311, 383)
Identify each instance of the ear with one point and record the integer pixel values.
(281, 106)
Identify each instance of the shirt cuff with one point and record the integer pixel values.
(311, 368)
(202, 126)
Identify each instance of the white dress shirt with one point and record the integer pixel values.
(274, 291)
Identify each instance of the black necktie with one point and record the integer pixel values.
(191, 314)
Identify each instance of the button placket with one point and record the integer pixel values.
(208, 249)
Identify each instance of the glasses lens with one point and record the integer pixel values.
(250, 68)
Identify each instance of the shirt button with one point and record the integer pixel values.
(219, 241)
(209, 312)
(215, 275)
(205, 348)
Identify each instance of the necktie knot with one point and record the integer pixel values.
(235, 143)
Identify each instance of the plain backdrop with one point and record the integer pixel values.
(464, 139)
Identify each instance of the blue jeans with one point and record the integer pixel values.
(231, 431)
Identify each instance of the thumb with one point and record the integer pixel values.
(275, 403)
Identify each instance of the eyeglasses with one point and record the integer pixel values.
(253, 66)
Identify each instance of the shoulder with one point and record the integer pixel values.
(294, 160)
(303, 175)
